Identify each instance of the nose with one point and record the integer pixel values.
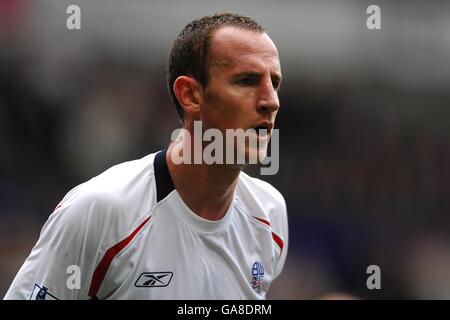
(268, 97)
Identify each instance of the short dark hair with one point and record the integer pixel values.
(189, 53)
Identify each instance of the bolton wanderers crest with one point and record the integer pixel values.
(257, 276)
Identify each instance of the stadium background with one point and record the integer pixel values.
(364, 128)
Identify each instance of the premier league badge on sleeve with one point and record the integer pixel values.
(41, 293)
(257, 276)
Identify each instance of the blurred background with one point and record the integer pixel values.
(364, 128)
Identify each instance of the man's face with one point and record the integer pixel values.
(243, 79)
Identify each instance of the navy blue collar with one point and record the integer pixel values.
(164, 183)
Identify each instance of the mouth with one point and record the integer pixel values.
(264, 128)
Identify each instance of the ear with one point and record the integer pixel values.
(189, 94)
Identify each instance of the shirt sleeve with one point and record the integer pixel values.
(281, 227)
(62, 261)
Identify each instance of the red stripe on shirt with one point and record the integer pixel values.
(262, 220)
(275, 237)
(278, 240)
(102, 268)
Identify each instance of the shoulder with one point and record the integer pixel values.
(119, 186)
(104, 209)
(265, 204)
(264, 200)
(119, 178)
(260, 191)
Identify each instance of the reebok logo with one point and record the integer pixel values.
(154, 279)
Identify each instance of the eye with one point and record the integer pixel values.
(247, 81)
(276, 84)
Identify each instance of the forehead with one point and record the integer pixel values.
(237, 48)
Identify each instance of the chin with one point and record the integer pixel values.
(250, 153)
(255, 155)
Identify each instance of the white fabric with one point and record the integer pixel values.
(203, 259)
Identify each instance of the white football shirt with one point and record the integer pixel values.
(127, 234)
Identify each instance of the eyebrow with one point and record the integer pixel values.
(274, 76)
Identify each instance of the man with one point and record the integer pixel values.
(158, 229)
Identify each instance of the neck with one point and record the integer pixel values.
(206, 189)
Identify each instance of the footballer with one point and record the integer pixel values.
(156, 229)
